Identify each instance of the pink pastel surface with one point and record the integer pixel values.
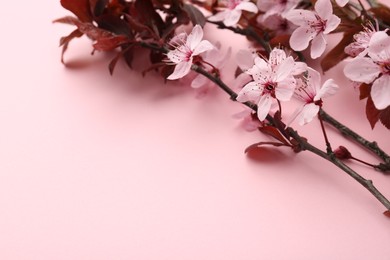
(125, 167)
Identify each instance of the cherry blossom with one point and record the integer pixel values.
(310, 92)
(185, 49)
(232, 10)
(374, 69)
(312, 26)
(359, 47)
(272, 79)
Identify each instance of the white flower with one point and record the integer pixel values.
(273, 79)
(231, 13)
(279, 7)
(185, 48)
(374, 69)
(359, 47)
(313, 26)
(310, 92)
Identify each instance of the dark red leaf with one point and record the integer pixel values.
(385, 117)
(280, 40)
(115, 25)
(387, 213)
(115, 60)
(146, 14)
(365, 90)
(259, 144)
(275, 133)
(140, 27)
(64, 41)
(80, 8)
(372, 113)
(194, 14)
(110, 43)
(98, 6)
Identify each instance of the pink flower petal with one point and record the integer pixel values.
(318, 46)
(177, 55)
(181, 69)
(362, 69)
(313, 82)
(324, 9)
(379, 46)
(250, 92)
(329, 88)
(199, 81)
(283, 70)
(285, 89)
(264, 106)
(332, 24)
(300, 17)
(232, 17)
(276, 56)
(301, 37)
(307, 114)
(202, 47)
(218, 16)
(380, 92)
(244, 59)
(195, 37)
(247, 6)
(342, 3)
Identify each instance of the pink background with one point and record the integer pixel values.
(125, 167)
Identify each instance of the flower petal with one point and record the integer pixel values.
(232, 17)
(177, 55)
(195, 37)
(324, 9)
(300, 17)
(301, 37)
(181, 69)
(202, 47)
(244, 59)
(379, 46)
(318, 46)
(283, 70)
(218, 16)
(332, 24)
(380, 92)
(362, 69)
(328, 89)
(342, 3)
(307, 114)
(264, 106)
(250, 92)
(247, 6)
(285, 89)
(199, 81)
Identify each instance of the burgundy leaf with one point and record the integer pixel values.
(372, 113)
(115, 60)
(110, 43)
(80, 8)
(365, 90)
(259, 144)
(275, 133)
(64, 41)
(114, 24)
(146, 14)
(98, 6)
(387, 213)
(382, 12)
(385, 117)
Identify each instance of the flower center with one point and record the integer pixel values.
(319, 25)
(269, 88)
(385, 68)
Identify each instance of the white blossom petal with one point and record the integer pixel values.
(283, 70)
(342, 3)
(307, 114)
(218, 16)
(329, 88)
(300, 17)
(332, 24)
(301, 37)
(202, 47)
(324, 9)
(250, 92)
(247, 6)
(379, 46)
(244, 59)
(362, 69)
(380, 92)
(232, 17)
(195, 37)
(177, 55)
(199, 81)
(318, 46)
(181, 69)
(264, 106)
(285, 89)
